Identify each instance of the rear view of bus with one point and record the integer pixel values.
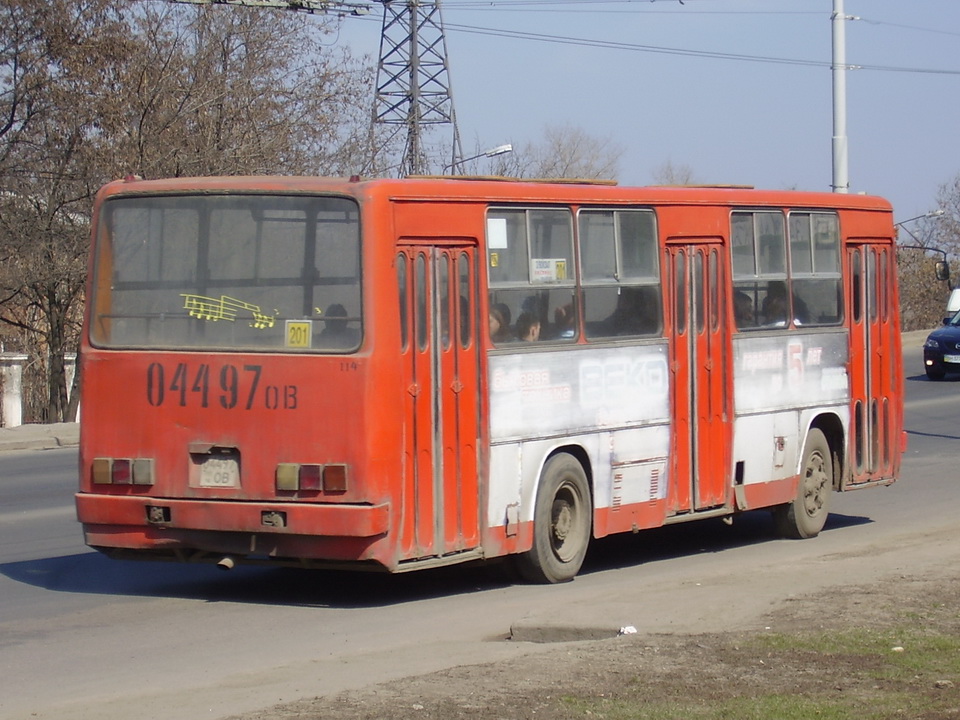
(220, 377)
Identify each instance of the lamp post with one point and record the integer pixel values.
(942, 267)
(939, 212)
(492, 152)
(903, 223)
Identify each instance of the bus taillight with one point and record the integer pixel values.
(311, 477)
(335, 478)
(292, 477)
(123, 471)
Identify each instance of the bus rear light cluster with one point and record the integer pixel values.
(292, 477)
(123, 471)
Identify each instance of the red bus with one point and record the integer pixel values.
(401, 374)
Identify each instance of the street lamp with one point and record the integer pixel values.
(902, 224)
(933, 213)
(942, 266)
(492, 152)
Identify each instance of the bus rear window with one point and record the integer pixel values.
(244, 272)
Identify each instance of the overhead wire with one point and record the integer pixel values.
(663, 50)
(542, 5)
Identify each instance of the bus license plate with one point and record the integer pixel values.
(220, 473)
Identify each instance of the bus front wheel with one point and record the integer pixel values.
(561, 523)
(807, 514)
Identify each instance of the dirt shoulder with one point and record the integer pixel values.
(889, 649)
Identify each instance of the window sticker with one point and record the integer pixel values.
(497, 233)
(299, 333)
(224, 308)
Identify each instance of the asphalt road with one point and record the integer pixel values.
(84, 637)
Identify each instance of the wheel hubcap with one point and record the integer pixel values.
(562, 520)
(815, 483)
(566, 520)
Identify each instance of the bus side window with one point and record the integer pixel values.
(532, 275)
(758, 247)
(621, 274)
(815, 281)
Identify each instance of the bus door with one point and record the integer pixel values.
(438, 297)
(698, 338)
(873, 362)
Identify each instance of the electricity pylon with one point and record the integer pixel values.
(413, 90)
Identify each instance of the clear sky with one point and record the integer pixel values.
(657, 77)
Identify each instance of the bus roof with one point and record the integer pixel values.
(498, 189)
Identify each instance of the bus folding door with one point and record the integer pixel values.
(441, 377)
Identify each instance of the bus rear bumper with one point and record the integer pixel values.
(168, 516)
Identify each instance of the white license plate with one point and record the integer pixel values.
(220, 473)
(951, 358)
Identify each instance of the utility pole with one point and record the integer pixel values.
(841, 176)
(413, 90)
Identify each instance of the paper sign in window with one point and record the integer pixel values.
(548, 270)
(497, 233)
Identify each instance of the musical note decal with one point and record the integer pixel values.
(224, 308)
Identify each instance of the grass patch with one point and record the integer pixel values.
(765, 707)
(900, 652)
(912, 670)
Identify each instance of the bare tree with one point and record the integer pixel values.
(91, 90)
(52, 61)
(945, 229)
(670, 174)
(923, 297)
(235, 90)
(565, 152)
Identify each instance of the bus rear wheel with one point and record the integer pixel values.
(561, 523)
(807, 514)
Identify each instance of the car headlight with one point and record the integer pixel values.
(932, 344)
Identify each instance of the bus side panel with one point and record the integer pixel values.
(782, 382)
(545, 401)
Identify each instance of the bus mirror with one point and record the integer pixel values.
(943, 270)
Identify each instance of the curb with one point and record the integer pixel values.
(39, 437)
(532, 631)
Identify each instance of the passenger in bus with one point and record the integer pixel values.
(801, 315)
(500, 324)
(528, 327)
(335, 333)
(636, 312)
(565, 321)
(774, 309)
(743, 310)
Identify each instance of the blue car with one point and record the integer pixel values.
(941, 351)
